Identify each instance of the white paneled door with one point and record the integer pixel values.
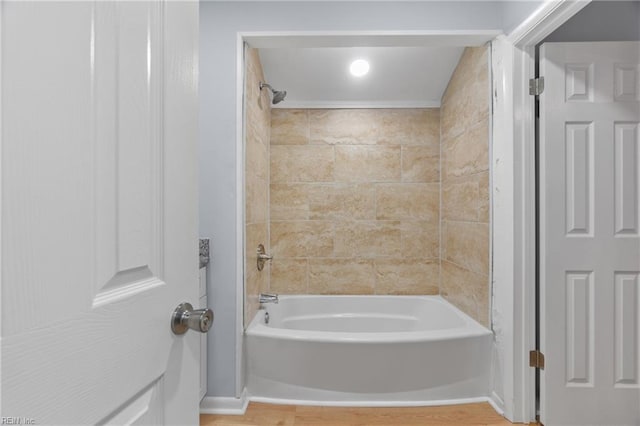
(590, 233)
(99, 211)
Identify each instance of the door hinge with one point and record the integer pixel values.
(536, 359)
(536, 86)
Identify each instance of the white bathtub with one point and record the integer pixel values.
(367, 350)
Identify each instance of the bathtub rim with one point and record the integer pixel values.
(374, 403)
(471, 327)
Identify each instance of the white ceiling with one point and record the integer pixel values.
(399, 76)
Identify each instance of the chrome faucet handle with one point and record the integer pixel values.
(263, 257)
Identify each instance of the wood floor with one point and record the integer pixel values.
(292, 415)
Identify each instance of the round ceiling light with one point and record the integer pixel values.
(359, 67)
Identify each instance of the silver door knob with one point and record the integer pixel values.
(185, 317)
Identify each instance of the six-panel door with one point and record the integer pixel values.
(99, 219)
(590, 233)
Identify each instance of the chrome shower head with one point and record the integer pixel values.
(278, 95)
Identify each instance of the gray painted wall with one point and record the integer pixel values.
(602, 21)
(219, 24)
(515, 12)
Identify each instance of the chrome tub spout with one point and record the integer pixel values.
(268, 298)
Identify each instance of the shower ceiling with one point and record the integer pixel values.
(398, 77)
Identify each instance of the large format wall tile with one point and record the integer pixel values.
(407, 276)
(289, 276)
(362, 163)
(343, 126)
(468, 153)
(421, 163)
(420, 239)
(467, 290)
(341, 276)
(256, 187)
(350, 188)
(341, 202)
(466, 198)
(467, 244)
(467, 97)
(257, 137)
(484, 197)
(367, 239)
(302, 239)
(461, 199)
(465, 267)
(289, 127)
(306, 163)
(256, 282)
(408, 126)
(418, 201)
(289, 201)
(387, 201)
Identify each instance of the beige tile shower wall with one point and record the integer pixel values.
(257, 135)
(355, 200)
(465, 186)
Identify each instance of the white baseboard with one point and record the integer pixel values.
(497, 403)
(225, 405)
(238, 406)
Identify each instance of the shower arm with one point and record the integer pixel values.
(277, 95)
(268, 86)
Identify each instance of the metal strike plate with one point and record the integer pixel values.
(204, 252)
